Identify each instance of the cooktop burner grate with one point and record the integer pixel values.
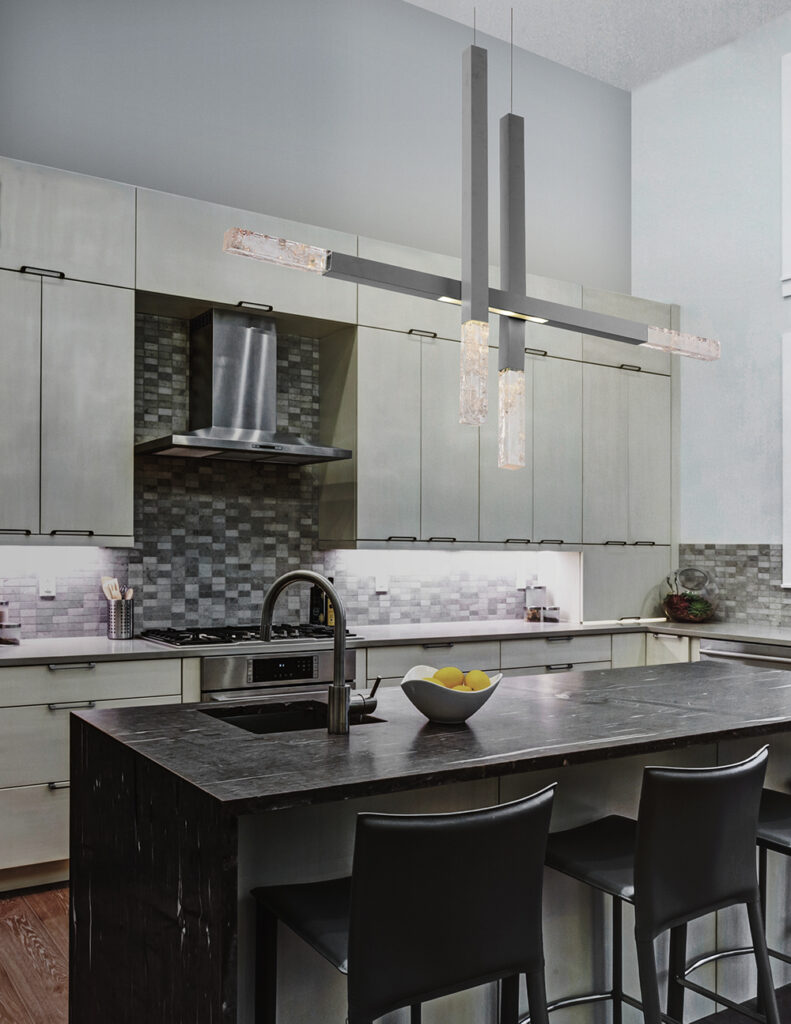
(229, 635)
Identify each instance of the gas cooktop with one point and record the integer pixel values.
(227, 636)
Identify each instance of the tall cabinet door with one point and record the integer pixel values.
(87, 391)
(449, 449)
(388, 435)
(506, 494)
(605, 472)
(20, 370)
(557, 450)
(649, 458)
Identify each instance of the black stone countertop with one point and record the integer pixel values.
(530, 722)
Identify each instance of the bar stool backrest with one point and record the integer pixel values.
(443, 902)
(695, 848)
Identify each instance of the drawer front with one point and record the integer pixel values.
(179, 252)
(107, 680)
(34, 741)
(395, 662)
(555, 651)
(35, 825)
(540, 670)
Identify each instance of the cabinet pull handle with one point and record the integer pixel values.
(619, 543)
(517, 540)
(630, 366)
(396, 537)
(429, 647)
(550, 541)
(72, 533)
(536, 352)
(558, 639)
(25, 533)
(244, 304)
(42, 272)
(447, 540)
(72, 705)
(421, 334)
(559, 668)
(58, 785)
(644, 543)
(670, 636)
(72, 665)
(630, 618)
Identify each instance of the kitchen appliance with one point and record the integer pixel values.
(233, 397)
(760, 655)
(211, 636)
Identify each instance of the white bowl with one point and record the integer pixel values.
(440, 704)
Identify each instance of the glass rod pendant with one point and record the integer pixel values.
(280, 251)
(473, 383)
(511, 420)
(679, 344)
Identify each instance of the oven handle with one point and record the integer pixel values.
(743, 656)
(255, 693)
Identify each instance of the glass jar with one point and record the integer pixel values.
(691, 595)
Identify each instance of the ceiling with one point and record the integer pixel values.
(623, 42)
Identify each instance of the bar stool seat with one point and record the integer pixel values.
(774, 821)
(436, 903)
(600, 853)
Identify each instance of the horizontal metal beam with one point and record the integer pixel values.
(432, 286)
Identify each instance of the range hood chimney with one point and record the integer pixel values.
(233, 397)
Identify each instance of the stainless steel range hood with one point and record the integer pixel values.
(233, 397)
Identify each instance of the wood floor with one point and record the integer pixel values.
(34, 957)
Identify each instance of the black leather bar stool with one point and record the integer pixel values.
(690, 852)
(774, 835)
(436, 903)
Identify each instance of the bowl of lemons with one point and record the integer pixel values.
(448, 695)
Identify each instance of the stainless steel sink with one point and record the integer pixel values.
(281, 716)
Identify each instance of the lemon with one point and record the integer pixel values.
(461, 686)
(431, 679)
(449, 676)
(477, 680)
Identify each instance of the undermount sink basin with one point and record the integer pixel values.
(281, 716)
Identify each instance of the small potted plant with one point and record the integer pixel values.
(691, 597)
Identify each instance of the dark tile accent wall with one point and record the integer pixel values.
(748, 577)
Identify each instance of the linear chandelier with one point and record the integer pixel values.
(472, 293)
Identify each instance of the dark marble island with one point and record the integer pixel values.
(175, 813)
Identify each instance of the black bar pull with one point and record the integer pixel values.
(58, 785)
(517, 540)
(644, 543)
(24, 533)
(72, 665)
(550, 541)
(396, 537)
(71, 533)
(630, 366)
(72, 705)
(559, 668)
(558, 639)
(536, 352)
(42, 272)
(447, 540)
(421, 334)
(244, 304)
(630, 618)
(618, 543)
(430, 647)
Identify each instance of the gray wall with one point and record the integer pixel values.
(344, 113)
(706, 234)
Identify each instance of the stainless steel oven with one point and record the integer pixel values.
(746, 653)
(241, 676)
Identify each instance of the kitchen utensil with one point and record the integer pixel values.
(438, 703)
(129, 593)
(120, 619)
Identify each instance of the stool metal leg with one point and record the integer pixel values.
(765, 984)
(617, 960)
(537, 998)
(266, 967)
(509, 1000)
(676, 968)
(649, 986)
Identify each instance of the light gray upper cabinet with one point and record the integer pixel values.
(449, 450)
(87, 398)
(630, 307)
(623, 581)
(557, 450)
(626, 457)
(20, 370)
(66, 223)
(506, 494)
(179, 252)
(370, 402)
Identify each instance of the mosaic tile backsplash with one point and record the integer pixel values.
(748, 577)
(211, 537)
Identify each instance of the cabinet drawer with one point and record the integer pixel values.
(34, 741)
(179, 252)
(558, 666)
(555, 651)
(80, 226)
(394, 662)
(35, 825)
(108, 680)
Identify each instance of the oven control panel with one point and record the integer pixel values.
(299, 668)
(270, 673)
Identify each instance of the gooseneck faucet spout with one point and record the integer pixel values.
(339, 693)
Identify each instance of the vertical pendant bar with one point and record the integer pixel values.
(511, 385)
(473, 404)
